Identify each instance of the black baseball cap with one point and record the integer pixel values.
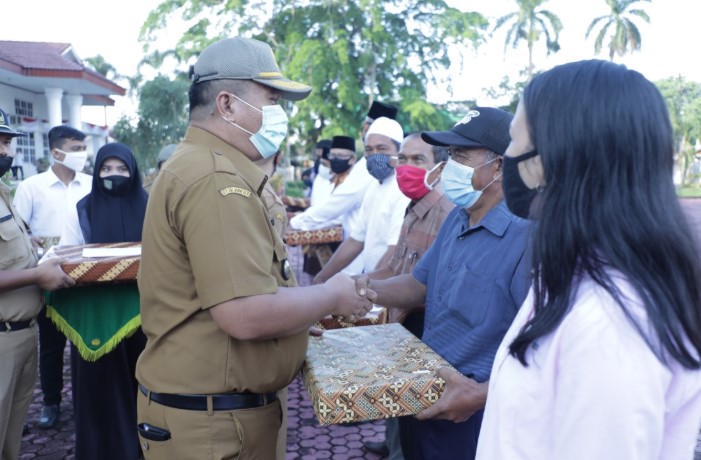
(5, 126)
(481, 127)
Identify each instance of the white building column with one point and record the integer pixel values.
(97, 142)
(75, 102)
(38, 144)
(53, 99)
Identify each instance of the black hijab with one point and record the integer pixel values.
(108, 218)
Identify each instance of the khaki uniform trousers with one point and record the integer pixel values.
(19, 365)
(245, 434)
(282, 434)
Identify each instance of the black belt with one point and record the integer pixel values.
(14, 325)
(229, 401)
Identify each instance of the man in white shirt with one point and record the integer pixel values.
(383, 207)
(43, 200)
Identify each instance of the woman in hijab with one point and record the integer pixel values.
(104, 391)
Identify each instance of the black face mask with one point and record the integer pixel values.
(5, 164)
(115, 185)
(517, 194)
(339, 166)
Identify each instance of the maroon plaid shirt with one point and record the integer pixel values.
(422, 221)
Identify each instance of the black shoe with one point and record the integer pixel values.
(376, 447)
(49, 416)
(25, 430)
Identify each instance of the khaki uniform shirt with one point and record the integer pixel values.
(16, 254)
(276, 209)
(207, 239)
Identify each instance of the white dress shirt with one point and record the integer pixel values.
(593, 389)
(343, 203)
(72, 234)
(381, 217)
(43, 201)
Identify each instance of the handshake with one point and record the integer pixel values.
(353, 297)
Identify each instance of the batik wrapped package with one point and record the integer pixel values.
(358, 374)
(113, 263)
(378, 315)
(320, 236)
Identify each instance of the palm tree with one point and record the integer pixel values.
(624, 35)
(528, 23)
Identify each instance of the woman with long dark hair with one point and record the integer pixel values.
(602, 361)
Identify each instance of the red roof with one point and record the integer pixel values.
(55, 60)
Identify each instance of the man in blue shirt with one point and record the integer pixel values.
(472, 279)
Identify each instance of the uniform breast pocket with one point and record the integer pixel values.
(11, 248)
(471, 295)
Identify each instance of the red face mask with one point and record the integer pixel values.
(411, 181)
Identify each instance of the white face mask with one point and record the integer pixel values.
(73, 160)
(324, 172)
(272, 132)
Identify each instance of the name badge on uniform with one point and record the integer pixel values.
(286, 269)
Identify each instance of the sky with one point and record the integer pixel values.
(111, 29)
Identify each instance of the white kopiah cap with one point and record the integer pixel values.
(386, 127)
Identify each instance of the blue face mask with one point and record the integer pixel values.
(272, 131)
(457, 183)
(379, 166)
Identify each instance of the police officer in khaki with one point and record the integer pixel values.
(226, 324)
(21, 282)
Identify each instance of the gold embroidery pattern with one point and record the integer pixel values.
(236, 190)
(368, 373)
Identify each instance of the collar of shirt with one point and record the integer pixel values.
(52, 179)
(250, 171)
(497, 220)
(421, 207)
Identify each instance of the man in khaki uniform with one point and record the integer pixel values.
(226, 326)
(21, 282)
(278, 218)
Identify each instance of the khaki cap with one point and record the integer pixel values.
(241, 58)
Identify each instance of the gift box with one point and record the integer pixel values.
(378, 315)
(112, 267)
(358, 374)
(321, 236)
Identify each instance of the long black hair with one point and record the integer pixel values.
(609, 204)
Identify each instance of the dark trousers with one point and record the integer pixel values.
(414, 323)
(439, 439)
(51, 345)
(104, 402)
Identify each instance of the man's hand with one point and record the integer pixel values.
(364, 289)
(50, 276)
(37, 242)
(461, 398)
(349, 304)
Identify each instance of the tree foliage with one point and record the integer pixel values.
(162, 119)
(529, 24)
(684, 104)
(623, 34)
(350, 51)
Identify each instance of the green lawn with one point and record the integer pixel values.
(689, 192)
